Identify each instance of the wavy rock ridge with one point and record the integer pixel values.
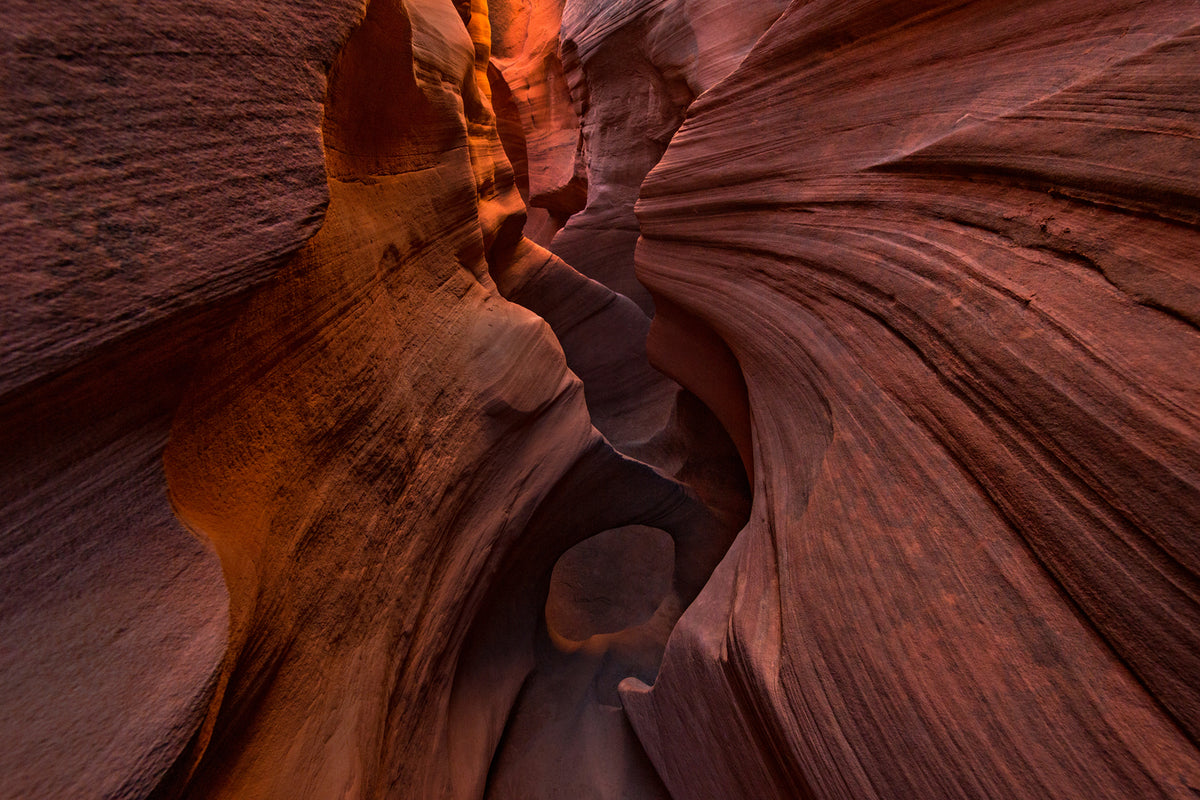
(959, 298)
(914, 514)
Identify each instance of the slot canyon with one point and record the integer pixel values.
(600, 399)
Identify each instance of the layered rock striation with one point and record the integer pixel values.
(380, 458)
(157, 163)
(950, 247)
(335, 464)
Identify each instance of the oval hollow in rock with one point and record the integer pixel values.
(609, 582)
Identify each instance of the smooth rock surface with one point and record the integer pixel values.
(538, 123)
(633, 67)
(389, 458)
(951, 247)
(921, 521)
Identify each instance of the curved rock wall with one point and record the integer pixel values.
(157, 163)
(951, 248)
(389, 457)
(918, 519)
(633, 67)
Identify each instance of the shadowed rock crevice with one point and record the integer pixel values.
(586, 597)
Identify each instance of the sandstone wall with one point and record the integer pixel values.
(334, 462)
(951, 247)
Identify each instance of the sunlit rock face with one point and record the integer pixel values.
(389, 458)
(537, 121)
(335, 464)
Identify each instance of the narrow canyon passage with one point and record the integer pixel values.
(600, 399)
(348, 395)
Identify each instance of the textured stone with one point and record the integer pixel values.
(157, 162)
(926, 272)
(155, 158)
(538, 123)
(951, 248)
(389, 458)
(633, 67)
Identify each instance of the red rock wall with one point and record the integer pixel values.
(389, 457)
(428, 523)
(385, 455)
(952, 249)
(157, 163)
